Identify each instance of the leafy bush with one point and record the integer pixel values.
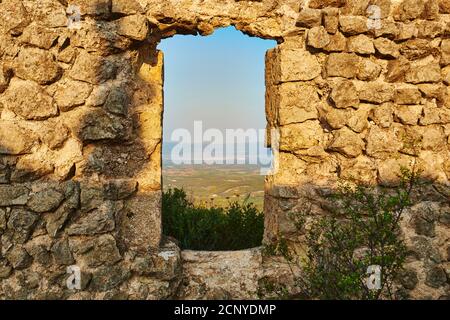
(362, 230)
(239, 226)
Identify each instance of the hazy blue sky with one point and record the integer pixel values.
(218, 79)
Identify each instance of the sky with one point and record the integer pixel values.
(218, 79)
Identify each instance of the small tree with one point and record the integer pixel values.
(362, 230)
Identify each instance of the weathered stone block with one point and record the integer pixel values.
(93, 69)
(45, 200)
(295, 65)
(338, 43)
(358, 120)
(18, 258)
(430, 29)
(39, 36)
(37, 65)
(431, 10)
(28, 100)
(98, 37)
(387, 47)
(355, 7)
(164, 265)
(444, 6)
(98, 251)
(98, 221)
(31, 167)
(342, 65)
(55, 221)
(93, 7)
(362, 169)
(109, 277)
(14, 139)
(409, 279)
(300, 136)
(55, 135)
(12, 195)
(382, 143)
(117, 101)
(39, 249)
(5, 77)
(445, 48)
(99, 125)
(126, 7)
(61, 252)
(2, 220)
(309, 18)
(13, 17)
(369, 70)
(446, 75)
(353, 25)
(347, 143)
(5, 269)
(139, 212)
(389, 170)
(389, 29)
(407, 95)
(429, 73)
(321, 4)
(345, 95)
(433, 138)
(397, 69)
(318, 37)
(294, 107)
(415, 49)
(119, 189)
(376, 92)
(408, 115)
(406, 31)
(71, 94)
(335, 118)
(331, 20)
(134, 27)
(20, 225)
(361, 44)
(409, 10)
(436, 277)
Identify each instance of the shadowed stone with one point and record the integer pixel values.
(95, 222)
(96, 252)
(18, 258)
(61, 253)
(93, 69)
(45, 201)
(108, 277)
(13, 195)
(99, 125)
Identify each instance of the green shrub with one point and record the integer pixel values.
(362, 230)
(237, 227)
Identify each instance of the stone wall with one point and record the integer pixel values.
(80, 134)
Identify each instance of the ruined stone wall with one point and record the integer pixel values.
(80, 135)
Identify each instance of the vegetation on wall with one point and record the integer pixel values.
(236, 227)
(363, 230)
